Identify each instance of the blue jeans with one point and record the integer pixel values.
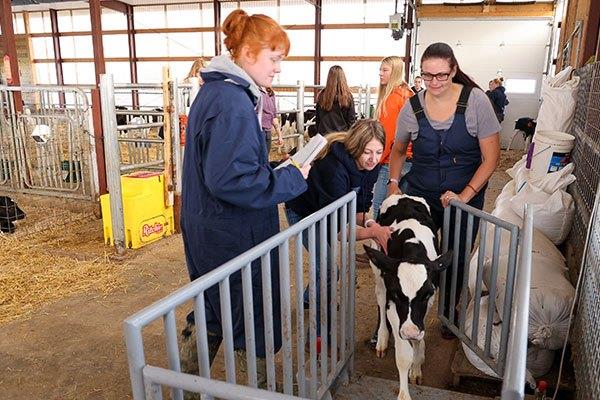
(405, 170)
(293, 218)
(380, 189)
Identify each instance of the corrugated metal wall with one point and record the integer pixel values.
(586, 156)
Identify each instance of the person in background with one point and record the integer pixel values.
(456, 147)
(269, 120)
(335, 104)
(195, 71)
(418, 84)
(350, 161)
(497, 95)
(393, 93)
(230, 193)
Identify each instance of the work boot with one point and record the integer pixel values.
(261, 368)
(188, 354)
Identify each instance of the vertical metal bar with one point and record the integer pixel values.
(333, 228)
(201, 336)
(113, 172)
(479, 281)
(454, 277)
(445, 245)
(300, 335)
(352, 283)
(492, 290)
(135, 357)
(268, 316)
(172, 349)
(508, 297)
(464, 292)
(248, 294)
(225, 298)
(368, 102)
(286, 316)
(344, 278)
(300, 114)
(514, 378)
(153, 390)
(324, 314)
(312, 309)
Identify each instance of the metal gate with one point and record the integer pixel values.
(47, 149)
(312, 373)
(499, 231)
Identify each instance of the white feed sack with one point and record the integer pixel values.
(549, 302)
(559, 96)
(541, 244)
(552, 213)
(539, 361)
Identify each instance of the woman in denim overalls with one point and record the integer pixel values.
(454, 132)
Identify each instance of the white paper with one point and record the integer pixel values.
(307, 153)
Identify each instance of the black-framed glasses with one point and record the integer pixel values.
(441, 77)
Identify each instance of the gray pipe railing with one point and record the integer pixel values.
(146, 380)
(514, 377)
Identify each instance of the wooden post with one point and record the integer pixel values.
(99, 141)
(318, 30)
(10, 48)
(168, 145)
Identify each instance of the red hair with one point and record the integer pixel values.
(255, 31)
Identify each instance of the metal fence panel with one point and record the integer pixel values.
(586, 157)
(502, 232)
(48, 148)
(321, 370)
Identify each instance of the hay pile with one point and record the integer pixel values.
(51, 258)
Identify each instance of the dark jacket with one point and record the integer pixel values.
(498, 99)
(332, 177)
(230, 195)
(338, 119)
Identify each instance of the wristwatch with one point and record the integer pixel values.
(391, 180)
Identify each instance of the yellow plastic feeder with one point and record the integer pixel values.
(145, 215)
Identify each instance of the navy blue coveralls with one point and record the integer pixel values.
(445, 160)
(229, 199)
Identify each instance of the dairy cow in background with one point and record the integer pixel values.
(405, 282)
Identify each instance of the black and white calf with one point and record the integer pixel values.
(405, 281)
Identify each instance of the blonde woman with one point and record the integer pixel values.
(195, 71)
(335, 104)
(349, 162)
(393, 93)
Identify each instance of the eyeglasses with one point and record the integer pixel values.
(441, 77)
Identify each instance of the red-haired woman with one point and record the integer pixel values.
(230, 193)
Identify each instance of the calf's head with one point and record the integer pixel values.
(410, 284)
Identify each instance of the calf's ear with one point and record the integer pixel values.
(380, 259)
(442, 262)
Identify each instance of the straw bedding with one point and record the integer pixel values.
(52, 255)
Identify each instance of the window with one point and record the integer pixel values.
(522, 86)
(113, 20)
(42, 47)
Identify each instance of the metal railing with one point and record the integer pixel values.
(313, 377)
(516, 358)
(488, 224)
